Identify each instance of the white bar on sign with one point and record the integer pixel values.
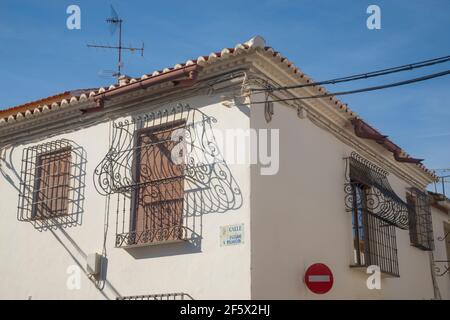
(319, 278)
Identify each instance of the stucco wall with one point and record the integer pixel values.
(34, 264)
(298, 218)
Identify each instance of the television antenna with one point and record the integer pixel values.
(116, 23)
(444, 179)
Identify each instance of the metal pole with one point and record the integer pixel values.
(443, 186)
(443, 183)
(120, 49)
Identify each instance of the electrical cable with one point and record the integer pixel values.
(367, 89)
(382, 72)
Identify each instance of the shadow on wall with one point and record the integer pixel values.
(161, 201)
(79, 258)
(6, 165)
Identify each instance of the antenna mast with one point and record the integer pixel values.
(116, 23)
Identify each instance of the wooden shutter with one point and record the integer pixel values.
(160, 193)
(51, 190)
(420, 222)
(412, 218)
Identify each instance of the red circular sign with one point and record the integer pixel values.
(319, 278)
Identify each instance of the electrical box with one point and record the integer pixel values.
(93, 264)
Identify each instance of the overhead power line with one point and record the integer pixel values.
(382, 72)
(443, 170)
(342, 93)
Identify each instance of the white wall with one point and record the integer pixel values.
(34, 263)
(298, 218)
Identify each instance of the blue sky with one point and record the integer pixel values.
(39, 56)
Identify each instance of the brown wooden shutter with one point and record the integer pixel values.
(412, 218)
(160, 192)
(51, 190)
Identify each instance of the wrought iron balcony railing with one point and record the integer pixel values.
(380, 198)
(155, 236)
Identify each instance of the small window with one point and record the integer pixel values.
(374, 239)
(52, 184)
(419, 217)
(51, 190)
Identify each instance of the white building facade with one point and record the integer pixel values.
(261, 191)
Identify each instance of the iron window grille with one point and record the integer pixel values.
(376, 211)
(165, 170)
(161, 296)
(52, 184)
(374, 240)
(381, 200)
(420, 223)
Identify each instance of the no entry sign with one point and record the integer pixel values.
(319, 278)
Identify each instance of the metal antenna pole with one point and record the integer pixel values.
(116, 21)
(120, 48)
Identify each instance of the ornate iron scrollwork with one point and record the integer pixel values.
(447, 235)
(439, 269)
(203, 175)
(442, 270)
(154, 236)
(379, 199)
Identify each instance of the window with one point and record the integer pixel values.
(157, 200)
(159, 194)
(51, 188)
(359, 227)
(52, 184)
(374, 240)
(376, 211)
(420, 224)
